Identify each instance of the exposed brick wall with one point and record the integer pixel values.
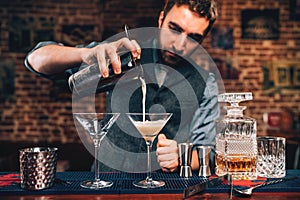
(251, 56)
(37, 114)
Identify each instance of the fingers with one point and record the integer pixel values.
(167, 153)
(169, 158)
(131, 45)
(113, 58)
(165, 146)
(168, 163)
(102, 62)
(164, 142)
(161, 140)
(170, 168)
(136, 52)
(108, 53)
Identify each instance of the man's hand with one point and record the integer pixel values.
(167, 153)
(107, 53)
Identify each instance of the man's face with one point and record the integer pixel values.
(182, 32)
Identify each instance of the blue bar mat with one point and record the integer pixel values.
(123, 184)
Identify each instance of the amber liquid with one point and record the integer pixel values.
(241, 163)
(242, 167)
(221, 168)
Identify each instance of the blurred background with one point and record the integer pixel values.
(255, 44)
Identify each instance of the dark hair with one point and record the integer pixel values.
(204, 8)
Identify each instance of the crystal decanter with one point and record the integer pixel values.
(236, 145)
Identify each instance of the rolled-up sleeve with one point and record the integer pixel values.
(58, 77)
(39, 45)
(203, 130)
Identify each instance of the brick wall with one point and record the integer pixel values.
(251, 56)
(36, 112)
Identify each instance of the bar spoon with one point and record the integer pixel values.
(248, 191)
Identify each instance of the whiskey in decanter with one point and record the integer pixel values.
(236, 145)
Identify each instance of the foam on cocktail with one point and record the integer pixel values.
(149, 129)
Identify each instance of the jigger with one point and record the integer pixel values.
(185, 157)
(203, 158)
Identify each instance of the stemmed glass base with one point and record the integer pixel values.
(97, 125)
(148, 183)
(94, 184)
(149, 125)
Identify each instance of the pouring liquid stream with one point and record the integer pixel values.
(144, 90)
(141, 77)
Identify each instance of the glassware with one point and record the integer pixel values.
(89, 81)
(271, 157)
(149, 125)
(236, 146)
(97, 125)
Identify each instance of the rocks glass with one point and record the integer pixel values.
(271, 157)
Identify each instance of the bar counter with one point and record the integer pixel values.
(123, 188)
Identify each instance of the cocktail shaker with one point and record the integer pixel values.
(89, 81)
(185, 157)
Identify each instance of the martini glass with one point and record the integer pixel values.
(149, 125)
(97, 125)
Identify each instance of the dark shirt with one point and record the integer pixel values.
(189, 92)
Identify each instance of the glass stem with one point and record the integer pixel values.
(97, 166)
(149, 177)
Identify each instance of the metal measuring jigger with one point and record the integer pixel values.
(185, 157)
(203, 158)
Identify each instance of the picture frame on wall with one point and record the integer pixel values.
(222, 38)
(75, 34)
(26, 32)
(284, 73)
(282, 76)
(296, 76)
(260, 24)
(7, 80)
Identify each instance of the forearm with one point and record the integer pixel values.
(52, 59)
